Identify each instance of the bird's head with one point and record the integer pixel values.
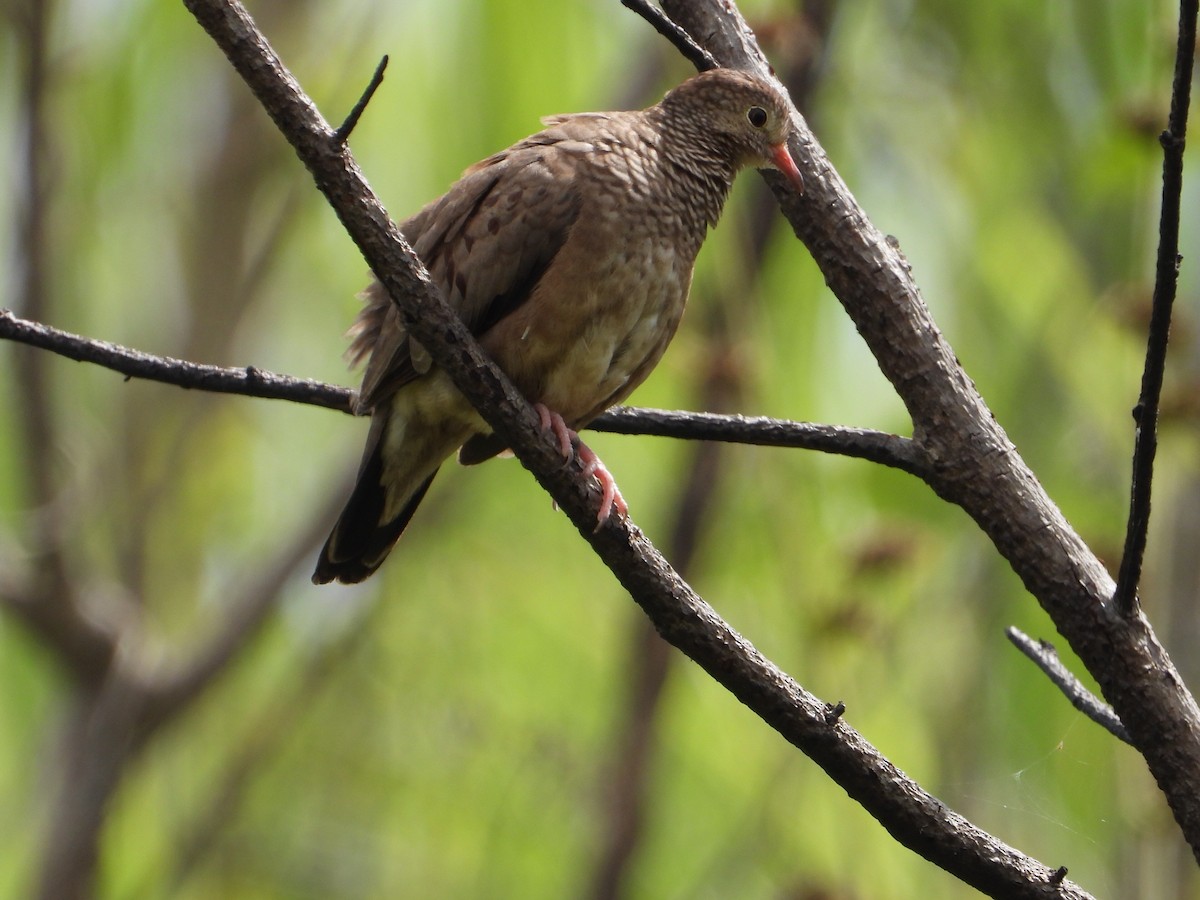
(742, 117)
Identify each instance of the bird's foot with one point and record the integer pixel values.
(610, 495)
(568, 442)
(552, 421)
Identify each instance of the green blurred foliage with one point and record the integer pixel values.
(448, 729)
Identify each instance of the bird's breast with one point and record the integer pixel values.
(599, 319)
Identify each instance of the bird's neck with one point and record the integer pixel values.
(699, 174)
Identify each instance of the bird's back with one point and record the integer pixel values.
(494, 235)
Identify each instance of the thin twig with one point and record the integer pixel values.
(860, 443)
(1166, 279)
(343, 131)
(1045, 657)
(680, 39)
(248, 380)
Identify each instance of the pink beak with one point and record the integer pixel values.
(782, 157)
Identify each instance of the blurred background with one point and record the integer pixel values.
(490, 716)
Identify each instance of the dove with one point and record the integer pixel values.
(569, 256)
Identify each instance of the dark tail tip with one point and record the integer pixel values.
(360, 542)
(345, 571)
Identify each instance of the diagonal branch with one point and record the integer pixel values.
(678, 613)
(1045, 657)
(975, 465)
(172, 690)
(343, 131)
(83, 645)
(680, 39)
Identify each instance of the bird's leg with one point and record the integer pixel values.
(568, 439)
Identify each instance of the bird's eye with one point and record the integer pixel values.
(756, 116)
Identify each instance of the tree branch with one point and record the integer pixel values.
(975, 465)
(249, 381)
(1045, 657)
(1166, 281)
(50, 606)
(343, 132)
(680, 39)
(875, 446)
(83, 646)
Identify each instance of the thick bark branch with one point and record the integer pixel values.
(975, 464)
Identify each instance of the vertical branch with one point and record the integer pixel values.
(33, 401)
(1166, 278)
(47, 604)
(30, 259)
(83, 778)
(104, 736)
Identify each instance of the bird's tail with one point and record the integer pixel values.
(367, 529)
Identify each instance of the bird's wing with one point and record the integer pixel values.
(486, 243)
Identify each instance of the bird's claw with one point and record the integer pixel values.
(568, 443)
(610, 494)
(552, 421)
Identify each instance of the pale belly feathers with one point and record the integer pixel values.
(603, 332)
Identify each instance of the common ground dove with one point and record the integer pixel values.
(569, 255)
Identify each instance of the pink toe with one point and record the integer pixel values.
(568, 442)
(554, 422)
(610, 495)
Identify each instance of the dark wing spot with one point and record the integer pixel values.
(531, 271)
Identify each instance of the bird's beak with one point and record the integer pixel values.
(782, 157)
